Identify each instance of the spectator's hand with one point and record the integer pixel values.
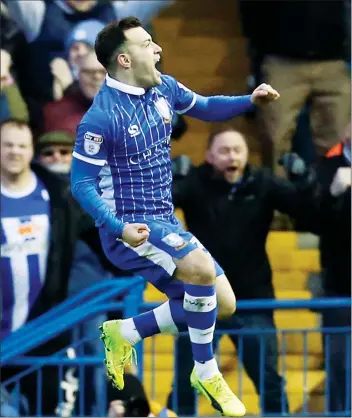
(5, 65)
(181, 166)
(135, 234)
(62, 76)
(341, 181)
(264, 94)
(293, 163)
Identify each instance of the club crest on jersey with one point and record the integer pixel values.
(163, 109)
(92, 143)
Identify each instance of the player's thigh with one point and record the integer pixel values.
(225, 297)
(193, 263)
(146, 260)
(197, 266)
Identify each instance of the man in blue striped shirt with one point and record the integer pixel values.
(121, 175)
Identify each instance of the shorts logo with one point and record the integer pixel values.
(92, 143)
(175, 241)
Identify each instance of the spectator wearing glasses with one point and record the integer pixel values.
(66, 113)
(46, 26)
(54, 150)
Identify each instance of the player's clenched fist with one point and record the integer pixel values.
(135, 234)
(263, 94)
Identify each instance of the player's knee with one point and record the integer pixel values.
(198, 268)
(227, 309)
(225, 297)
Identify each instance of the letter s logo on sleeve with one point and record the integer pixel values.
(92, 143)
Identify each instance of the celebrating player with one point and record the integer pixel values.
(121, 175)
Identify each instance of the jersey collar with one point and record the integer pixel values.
(111, 82)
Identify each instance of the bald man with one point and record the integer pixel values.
(229, 206)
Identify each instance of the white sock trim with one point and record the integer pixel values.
(206, 370)
(129, 331)
(164, 319)
(201, 336)
(199, 304)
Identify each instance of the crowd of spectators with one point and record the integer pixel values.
(49, 77)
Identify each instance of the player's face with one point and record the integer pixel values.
(228, 155)
(16, 150)
(143, 54)
(91, 76)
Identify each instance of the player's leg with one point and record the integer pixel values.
(169, 317)
(119, 336)
(225, 297)
(197, 271)
(162, 252)
(158, 267)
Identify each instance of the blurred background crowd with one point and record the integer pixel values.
(283, 167)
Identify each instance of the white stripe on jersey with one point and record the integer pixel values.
(154, 254)
(87, 159)
(107, 188)
(146, 146)
(161, 176)
(17, 249)
(167, 172)
(127, 159)
(181, 112)
(150, 165)
(20, 282)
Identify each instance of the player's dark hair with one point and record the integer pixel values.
(110, 39)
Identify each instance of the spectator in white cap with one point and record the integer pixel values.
(81, 41)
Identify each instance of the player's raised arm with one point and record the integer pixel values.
(89, 158)
(217, 108)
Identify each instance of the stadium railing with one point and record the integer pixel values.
(101, 298)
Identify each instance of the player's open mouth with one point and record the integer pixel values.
(158, 73)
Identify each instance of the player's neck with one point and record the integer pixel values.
(126, 78)
(17, 182)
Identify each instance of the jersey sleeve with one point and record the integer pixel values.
(91, 139)
(184, 98)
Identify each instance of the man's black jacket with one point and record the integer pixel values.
(334, 227)
(233, 224)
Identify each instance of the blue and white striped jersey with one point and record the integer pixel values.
(25, 236)
(127, 132)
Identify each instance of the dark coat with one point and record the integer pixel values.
(233, 222)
